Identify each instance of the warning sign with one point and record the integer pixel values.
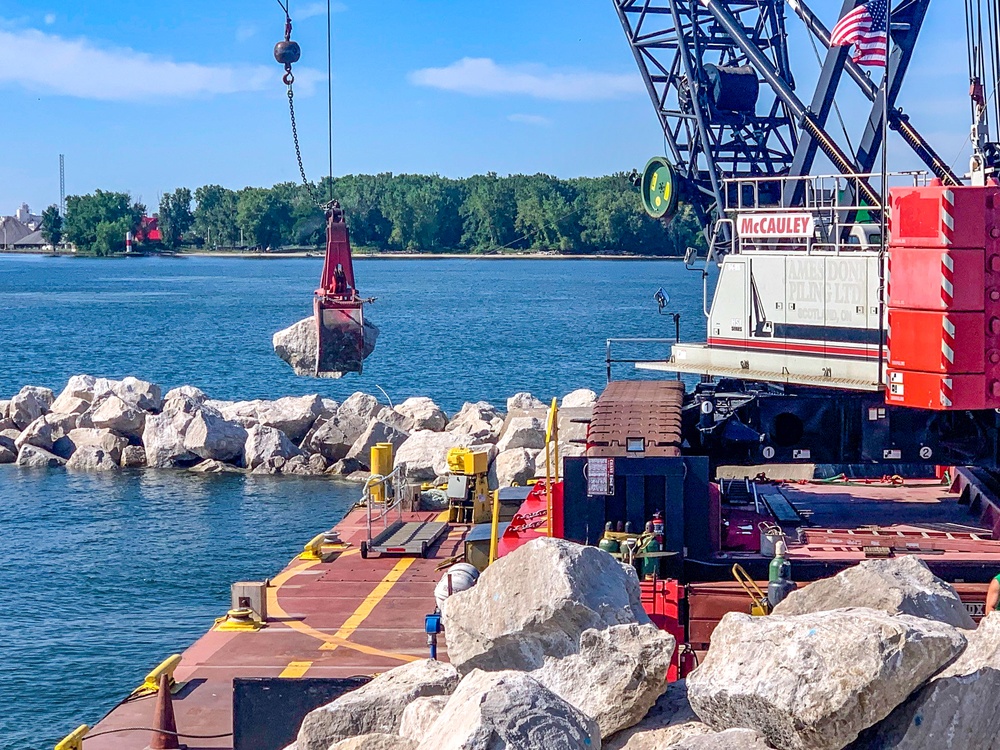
(600, 476)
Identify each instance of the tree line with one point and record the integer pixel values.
(412, 213)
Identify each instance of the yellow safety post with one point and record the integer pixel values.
(152, 682)
(313, 549)
(381, 465)
(551, 433)
(495, 532)
(74, 740)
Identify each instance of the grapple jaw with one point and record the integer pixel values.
(340, 336)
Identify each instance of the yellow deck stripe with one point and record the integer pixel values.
(295, 669)
(371, 601)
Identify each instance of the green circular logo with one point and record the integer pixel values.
(659, 188)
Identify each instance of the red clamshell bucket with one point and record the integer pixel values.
(337, 306)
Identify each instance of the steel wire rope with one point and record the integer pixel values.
(160, 731)
(972, 57)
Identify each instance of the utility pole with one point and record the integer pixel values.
(62, 185)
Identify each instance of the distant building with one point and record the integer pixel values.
(12, 230)
(31, 241)
(30, 220)
(149, 230)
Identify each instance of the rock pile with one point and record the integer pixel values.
(97, 424)
(552, 649)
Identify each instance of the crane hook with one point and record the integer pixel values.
(287, 52)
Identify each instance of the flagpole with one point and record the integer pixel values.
(884, 213)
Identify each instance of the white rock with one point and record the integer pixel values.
(668, 722)
(815, 681)
(31, 457)
(377, 706)
(730, 739)
(211, 436)
(265, 443)
(313, 466)
(133, 457)
(187, 391)
(958, 708)
(212, 466)
(80, 386)
(110, 412)
(377, 432)
(375, 741)
(163, 436)
(49, 433)
(523, 400)
(509, 711)
(617, 675)
(4, 409)
(91, 458)
(897, 585)
(333, 440)
(293, 415)
(140, 394)
(481, 420)
(8, 451)
(514, 466)
(420, 715)
(29, 404)
(423, 414)
(104, 439)
(69, 405)
(360, 405)
(522, 432)
(243, 413)
(581, 397)
(425, 453)
(536, 602)
(297, 346)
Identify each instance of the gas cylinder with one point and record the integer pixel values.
(607, 543)
(779, 576)
(650, 565)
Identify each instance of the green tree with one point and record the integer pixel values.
(52, 225)
(488, 212)
(175, 217)
(215, 216)
(264, 216)
(97, 223)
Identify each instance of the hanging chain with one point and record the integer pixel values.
(295, 138)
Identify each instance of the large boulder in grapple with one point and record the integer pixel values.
(297, 346)
(537, 602)
(815, 681)
(898, 585)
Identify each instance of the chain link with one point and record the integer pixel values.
(298, 151)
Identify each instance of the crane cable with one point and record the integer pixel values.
(288, 52)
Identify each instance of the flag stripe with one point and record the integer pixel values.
(867, 29)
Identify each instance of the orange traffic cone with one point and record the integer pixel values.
(165, 726)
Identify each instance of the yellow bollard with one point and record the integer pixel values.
(74, 741)
(381, 465)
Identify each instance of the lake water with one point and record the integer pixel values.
(105, 576)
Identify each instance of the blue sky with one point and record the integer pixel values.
(147, 97)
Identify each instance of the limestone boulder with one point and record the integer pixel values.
(82, 387)
(377, 432)
(187, 391)
(420, 715)
(375, 741)
(302, 466)
(958, 708)
(537, 602)
(30, 457)
(670, 721)
(243, 413)
(210, 436)
(265, 443)
(345, 466)
(816, 681)
(293, 415)
(581, 397)
(730, 739)
(481, 420)
(514, 466)
(29, 404)
(897, 585)
(377, 706)
(522, 432)
(524, 400)
(296, 345)
(361, 406)
(92, 458)
(140, 394)
(333, 440)
(49, 432)
(423, 414)
(394, 418)
(8, 451)
(616, 676)
(425, 453)
(212, 466)
(509, 711)
(133, 457)
(163, 435)
(111, 412)
(104, 439)
(69, 405)
(4, 409)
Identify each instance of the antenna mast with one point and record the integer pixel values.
(62, 185)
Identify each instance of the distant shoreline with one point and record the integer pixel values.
(317, 254)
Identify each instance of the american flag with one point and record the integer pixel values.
(867, 28)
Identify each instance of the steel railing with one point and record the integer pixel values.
(609, 360)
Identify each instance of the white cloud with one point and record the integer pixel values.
(530, 120)
(50, 18)
(77, 67)
(245, 31)
(481, 76)
(316, 9)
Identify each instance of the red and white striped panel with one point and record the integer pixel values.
(946, 392)
(947, 279)
(947, 343)
(947, 217)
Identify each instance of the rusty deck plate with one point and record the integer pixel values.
(647, 409)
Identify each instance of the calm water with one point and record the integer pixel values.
(103, 577)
